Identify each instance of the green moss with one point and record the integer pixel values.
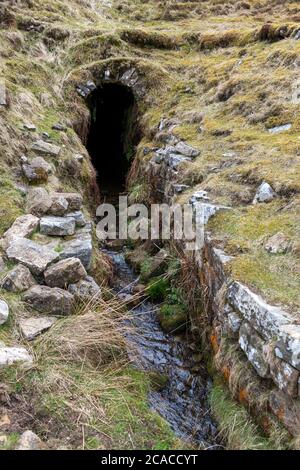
(157, 289)
(173, 318)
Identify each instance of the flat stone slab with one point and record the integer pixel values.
(33, 327)
(23, 227)
(10, 356)
(65, 272)
(18, 279)
(187, 150)
(4, 312)
(266, 319)
(36, 257)
(57, 226)
(49, 300)
(40, 146)
(78, 248)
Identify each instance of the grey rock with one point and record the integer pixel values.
(3, 95)
(74, 200)
(36, 257)
(29, 441)
(37, 171)
(29, 127)
(283, 374)
(187, 150)
(199, 196)
(253, 345)
(23, 227)
(265, 193)
(277, 129)
(49, 300)
(4, 312)
(32, 327)
(78, 217)
(65, 272)
(38, 201)
(59, 205)
(57, 226)
(2, 264)
(18, 279)
(278, 244)
(40, 146)
(266, 319)
(79, 158)
(234, 321)
(13, 355)
(288, 344)
(174, 160)
(179, 188)
(204, 211)
(59, 127)
(77, 248)
(85, 290)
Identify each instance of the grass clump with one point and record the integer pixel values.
(235, 425)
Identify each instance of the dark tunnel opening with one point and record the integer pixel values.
(113, 135)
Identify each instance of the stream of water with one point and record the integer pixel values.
(183, 401)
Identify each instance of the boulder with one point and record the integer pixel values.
(23, 227)
(265, 193)
(78, 217)
(29, 441)
(187, 150)
(9, 356)
(32, 327)
(4, 312)
(278, 244)
(49, 300)
(65, 272)
(18, 279)
(85, 289)
(74, 200)
(57, 226)
(59, 205)
(77, 248)
(38, 201)
(36, 257)
(42, 147)
(37, 171)
(253, 347)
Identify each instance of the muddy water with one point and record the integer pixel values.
(183, 401)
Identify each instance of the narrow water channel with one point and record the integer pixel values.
(183, 401)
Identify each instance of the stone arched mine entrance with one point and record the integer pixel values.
(113, 134)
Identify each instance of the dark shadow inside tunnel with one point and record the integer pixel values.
(113, 135)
